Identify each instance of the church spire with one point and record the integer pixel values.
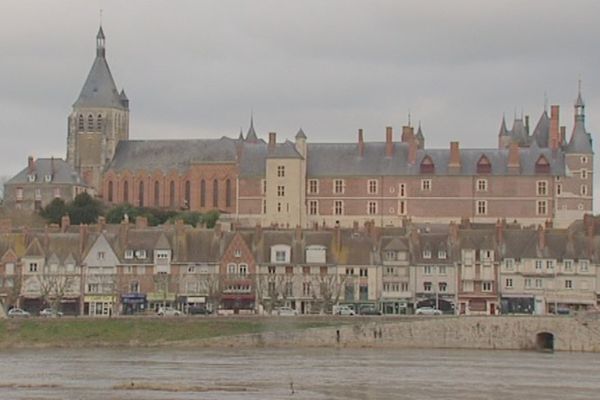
(581, 141)
(100, 39)
(251, 135)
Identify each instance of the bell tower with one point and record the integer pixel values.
(98, 121)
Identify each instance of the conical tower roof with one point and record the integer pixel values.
(99, 89)
(251, 135)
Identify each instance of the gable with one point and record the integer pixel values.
(101, 254)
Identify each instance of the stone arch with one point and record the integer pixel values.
(544, 341)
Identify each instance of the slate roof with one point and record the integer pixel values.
(286, 149)
(343, 159)
(581, 141)
(61, 171)
(99, 89)
(541, 132)
(171, 155)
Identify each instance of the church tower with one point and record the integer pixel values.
(99, 120)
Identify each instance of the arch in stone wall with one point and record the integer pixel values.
(544, 341)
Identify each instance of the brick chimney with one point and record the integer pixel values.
(499, 232)
(514, 160)
(412, 152)
(65, 222)
(124, 233)
(141, 222)
(30, 164)
(389, 142)
(453, 228)
(272, 140)
(361, 143)
(541, 237)
(408, 134)
(563, 134)
(454, 162)
(554, 128)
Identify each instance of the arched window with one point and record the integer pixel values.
(110, 191)
(215, 194)
(99, 122)
(126, 192)
(187, 195)
(172, 194)
(90, 123)
(141, 194)
(80, 124)
(427, 165)
(156, 194)
(542, 166)
(228, 193)
(484, 166)
(202, 193)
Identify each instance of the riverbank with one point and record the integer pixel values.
(142, 332)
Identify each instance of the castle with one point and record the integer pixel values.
(533, 177)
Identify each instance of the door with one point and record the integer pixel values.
(492, 309)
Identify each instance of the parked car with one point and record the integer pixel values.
(369, 310)
(199, 310)
(428, 311)
(343, 310)
(168, 312)
(50, 312)
(286, 311)
(18, 313)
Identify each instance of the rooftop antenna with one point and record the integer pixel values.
(545, 101)
(101, 17)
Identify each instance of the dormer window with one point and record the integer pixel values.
(442, 254)
(128, 254)
(427, 165)
(237, 253)
(31, 178)
(426, 253)
(542, 166)
(484, 166)
(48, 178)
(140, 254)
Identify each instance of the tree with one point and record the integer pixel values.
(54, 211)
(210, 218)
(54, 286)
(84, 209)
(116, 214)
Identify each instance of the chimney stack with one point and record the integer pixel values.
(514, 160)
(30, 164)
(408, 134)
(141, 222)
(65, 222)
(563, 134)
(554, 128)
(527, 124)
(389, 144)
(499, 232)
(412, 152)
(272, 140)
(541, 237)
(361, 143)
(454, 162)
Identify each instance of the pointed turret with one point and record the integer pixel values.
(241, 136)
(300, 134)
(581, 141)
(124, 99)
(99, 89)
(251, 135)
(503, 130)
(541, 132)
(420, 137)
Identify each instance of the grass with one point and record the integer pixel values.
(140, 331)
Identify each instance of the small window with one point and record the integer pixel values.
(99, 122)
(541, 207)
(237, 253)
(280, 256)
(90, 122)
(338, 186)
(509, 283)
(402, 207)
(584, 174)
(372, 208)
(584, 159)
(80, 125)
(31, 178)
(33, 267)
(482, 207)
(402, 190)
(584, 265)
(426, 185)
(427, 254)
(243, 269)
(48, 178)
(427, 286)
(584, 190)
(542, 188)
(372, 186)
(263, 185)
(280, 171)
(313, 186)
(128, 254)
(486, 287)
(568, 265)
(442, 254)
(100, 255)
(231, 269)
(280, 191)
(509, 263)
(542, 166)
(482, 185)
(443, 287)
(313, 207)
(442, 270)
(140, 254)
(338, 207)
(538, 265)
(568, 284)
(559, 189)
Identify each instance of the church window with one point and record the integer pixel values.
(484, 166)
(156, 193)
(202, 193)
(172, 194)
(125, 191)
(427, 165)
(90, 122)
(215, 193)
(141, 194)
(80, 124)
(110, 191)
(228, 193)
(99, 122)
(187, 195)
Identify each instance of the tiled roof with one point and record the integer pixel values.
(60, 171)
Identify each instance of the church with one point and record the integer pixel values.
(534, 176)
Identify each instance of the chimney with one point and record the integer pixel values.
(141, 222)
(338, 236)
(65, 222)
(218, 230)
(453, 228)
(101, 224)
(499, 232)
(514, 160)
(541, 237)
(554, 128)
(389, 144)
(52, 168)
(563, 134)
(30, 164)
(412, 152)
(124, 233)
(527, 124)
(361, 143)
(408, 134)
(83, 230)
(272, 140)
(454, 162)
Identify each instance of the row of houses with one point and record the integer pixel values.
(464, 268)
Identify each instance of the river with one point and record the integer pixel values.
(147, 374)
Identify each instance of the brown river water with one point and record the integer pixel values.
(147, 374)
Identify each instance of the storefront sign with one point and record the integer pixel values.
(153, 296)
(196, 300)
(99, 299)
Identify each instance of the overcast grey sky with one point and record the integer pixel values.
(196, 69)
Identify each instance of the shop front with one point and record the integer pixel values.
(98, 305)
(133, 303)
(238, 302)
(517, 304)
(161, 299)
(443, 302)
(396, 306)
(196, 303)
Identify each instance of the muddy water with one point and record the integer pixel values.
(147, 374)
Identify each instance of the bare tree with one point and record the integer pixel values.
(54, 286)
(13, 284)
(330, 290)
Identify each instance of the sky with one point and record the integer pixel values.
(198, 69)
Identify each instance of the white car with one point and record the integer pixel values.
(428, 311)
(344, 310)
(168, 312)
(18, 313)
(287, 312)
